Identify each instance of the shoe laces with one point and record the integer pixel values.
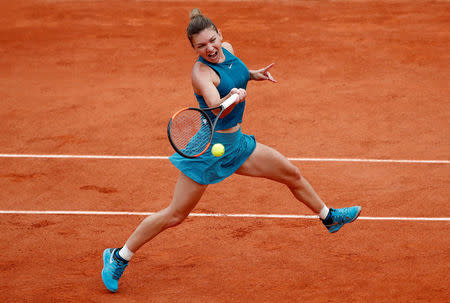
(340, 216)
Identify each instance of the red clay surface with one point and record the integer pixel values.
(356, 79)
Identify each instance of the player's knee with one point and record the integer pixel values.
(293, 176)
(174, 219)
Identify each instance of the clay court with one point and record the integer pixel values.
(361, 107)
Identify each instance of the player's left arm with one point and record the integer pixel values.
(255, 74)
(262, 74)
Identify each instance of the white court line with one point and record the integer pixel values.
(165, 157)
(83, 157)
(124, 213)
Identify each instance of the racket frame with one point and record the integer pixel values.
(223, 106)
(210, 137)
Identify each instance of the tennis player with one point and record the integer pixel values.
(216, 75)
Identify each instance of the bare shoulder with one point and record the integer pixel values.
(228, 47)
(201, 75)
(200, 70)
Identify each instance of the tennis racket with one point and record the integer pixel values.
(190, 129)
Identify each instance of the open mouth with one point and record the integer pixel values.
(213, 55)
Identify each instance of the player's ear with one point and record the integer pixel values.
(220, 35)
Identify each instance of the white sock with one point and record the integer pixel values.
(125, 253)
(323, 213)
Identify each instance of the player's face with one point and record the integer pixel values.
(208, 44)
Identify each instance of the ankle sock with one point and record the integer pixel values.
(125, 253)
(324, 212)
(118, 257)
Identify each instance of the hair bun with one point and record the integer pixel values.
(195, 12)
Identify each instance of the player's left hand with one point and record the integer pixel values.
(262, 74)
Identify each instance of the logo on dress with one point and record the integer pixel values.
(230, 65)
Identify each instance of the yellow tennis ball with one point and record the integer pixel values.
(218, 150)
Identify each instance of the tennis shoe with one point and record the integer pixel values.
(112, 269)
(338, 217)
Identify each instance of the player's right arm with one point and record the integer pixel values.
(204, 82)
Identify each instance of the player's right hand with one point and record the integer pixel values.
(242, 93)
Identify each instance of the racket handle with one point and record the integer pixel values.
(229, 101)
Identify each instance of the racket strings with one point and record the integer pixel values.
(190, 132)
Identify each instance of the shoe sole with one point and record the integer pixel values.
(356, 217)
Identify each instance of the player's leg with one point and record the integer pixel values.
(186, 195)
(266, 162)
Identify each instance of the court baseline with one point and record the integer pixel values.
(262, 216)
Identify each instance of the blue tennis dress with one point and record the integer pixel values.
(208, 169)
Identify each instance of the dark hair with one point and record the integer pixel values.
(198, 23)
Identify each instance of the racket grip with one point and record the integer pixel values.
(229, 101)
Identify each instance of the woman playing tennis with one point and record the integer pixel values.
(216, 75)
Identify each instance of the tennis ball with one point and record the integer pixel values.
(218, 150)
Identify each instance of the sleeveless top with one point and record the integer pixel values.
(233, 74)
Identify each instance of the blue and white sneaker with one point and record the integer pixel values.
(113, 269)
(338, 217)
